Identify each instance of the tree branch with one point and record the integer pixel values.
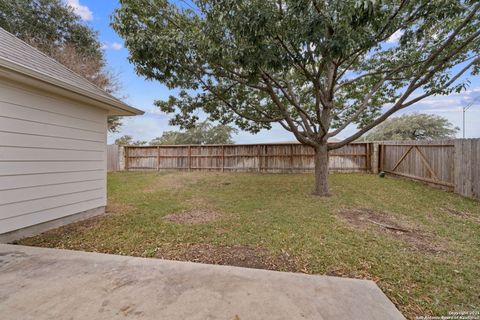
(446, 85)
(299, 135)
(308, 123)
(447, 43)
(294, 58)
(400, 105)
(362, 108)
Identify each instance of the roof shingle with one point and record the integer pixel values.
(16, 51)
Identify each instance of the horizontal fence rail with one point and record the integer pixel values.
(353, 157)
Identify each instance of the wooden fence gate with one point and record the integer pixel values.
(429, 162)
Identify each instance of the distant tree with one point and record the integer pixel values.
(201, 133)
(127, 140)
(52, 27)
(415, 126)
(315, 67)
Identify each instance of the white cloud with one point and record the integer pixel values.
(116, 46)
(395, 37)
(434, 101)
(83, 11)
(443, 110)
(113, 46)
(155, 111)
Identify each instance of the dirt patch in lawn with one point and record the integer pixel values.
(79, 226)
(388, 224)
(61, 232)
(194, 216)
(237, 255)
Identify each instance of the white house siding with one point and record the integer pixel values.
(52, 157)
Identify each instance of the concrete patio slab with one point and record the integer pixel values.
(40, 283)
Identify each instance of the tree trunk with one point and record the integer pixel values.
(321, 171)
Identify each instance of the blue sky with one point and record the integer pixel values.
(141, 93)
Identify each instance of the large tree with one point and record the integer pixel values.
(315, 67)
(53, 27)
(417, 126)
(201, 133)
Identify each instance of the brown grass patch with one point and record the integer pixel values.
(118, 208)
(388, 224)
(194, 216)
(236, 255)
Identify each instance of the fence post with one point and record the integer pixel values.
(259, 159)
(458, 162)
(384, 152)
(265, 159)
(120, 158)
(223, 157)
(126, 158)
(374, 165)
(189, 158)
(158, 158)
(466, 164)
(462, 164)
(382, 157)
(291, 158)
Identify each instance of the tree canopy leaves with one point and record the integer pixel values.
(313, 66)
(48, 23)
(416, 126)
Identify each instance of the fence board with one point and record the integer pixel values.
(467, 169)
(242, 158)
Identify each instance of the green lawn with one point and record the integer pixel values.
(431, 270)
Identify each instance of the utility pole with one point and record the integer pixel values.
(464, 109)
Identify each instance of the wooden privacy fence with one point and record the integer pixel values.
(450, 164)
(292, 157)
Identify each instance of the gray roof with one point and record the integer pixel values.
(14, 51)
